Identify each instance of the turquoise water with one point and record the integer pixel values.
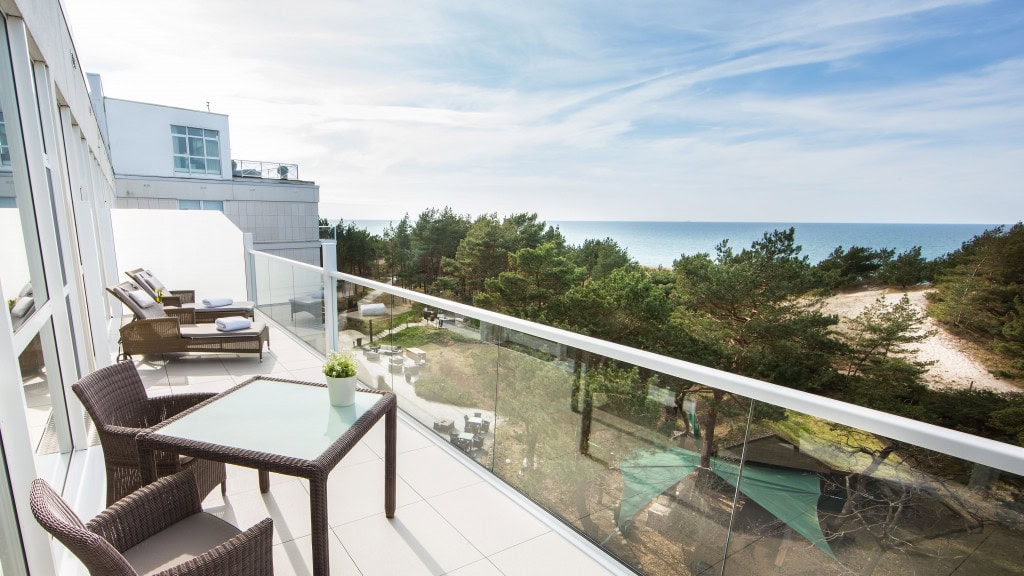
(659, 243)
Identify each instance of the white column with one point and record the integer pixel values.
(88, 241)
(250, 267)
(329, 248)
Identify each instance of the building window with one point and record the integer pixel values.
(201, 205)
(5, 152)
(196, 150)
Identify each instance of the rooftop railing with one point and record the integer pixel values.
(670, 467)
(267, 170)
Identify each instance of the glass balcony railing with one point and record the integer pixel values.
(671, 467)
(267, 170)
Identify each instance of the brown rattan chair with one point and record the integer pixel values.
(187, 298)
(160, 529)
(120, 408)
(156, 330)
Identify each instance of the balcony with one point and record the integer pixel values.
(734, 476)
(524, 449)
(452, 516)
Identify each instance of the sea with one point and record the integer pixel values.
(661, 243)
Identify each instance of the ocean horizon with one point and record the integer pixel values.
(659, 243)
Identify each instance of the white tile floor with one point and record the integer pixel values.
(450, 519)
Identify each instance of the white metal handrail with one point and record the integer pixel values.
(961, 445)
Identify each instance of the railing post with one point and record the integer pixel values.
(329, 249)
(250, 267)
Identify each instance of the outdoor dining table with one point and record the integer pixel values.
(283, 426)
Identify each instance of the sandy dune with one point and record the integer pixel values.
(954, 366)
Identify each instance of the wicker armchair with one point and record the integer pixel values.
(117, 403)
(160, 529)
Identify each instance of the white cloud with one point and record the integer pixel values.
(583, 110)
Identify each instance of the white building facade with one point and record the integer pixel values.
(56, 258)
(171, 158)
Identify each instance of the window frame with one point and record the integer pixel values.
(190, 147)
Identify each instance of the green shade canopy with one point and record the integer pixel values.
(791, 496)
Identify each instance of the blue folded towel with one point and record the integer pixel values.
(232, 323)
(217, 302)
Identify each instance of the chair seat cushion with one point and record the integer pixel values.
(210, 331)
(179, 543)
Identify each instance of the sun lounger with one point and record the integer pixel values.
(157, 329)
(187, 299)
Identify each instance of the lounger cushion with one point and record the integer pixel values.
(26, 290)
(141, 298)
(22, 306)
(210, 331)
(151, 281)
(180, 542)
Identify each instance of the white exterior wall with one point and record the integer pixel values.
(140, 138)
(211, 262)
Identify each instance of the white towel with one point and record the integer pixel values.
(141, 298)
(217, 302)
(232, 323)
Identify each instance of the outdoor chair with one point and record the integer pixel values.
(160, 529)
(187, 299)
(156, 330)
(116, 400)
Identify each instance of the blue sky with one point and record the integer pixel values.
(845, 111)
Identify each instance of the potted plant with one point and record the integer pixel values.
(340, 371)
(282, 171)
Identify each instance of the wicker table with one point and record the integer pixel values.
(281, 426)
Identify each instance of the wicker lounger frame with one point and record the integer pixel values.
(186, 299)
(156, 330)
(159, 335)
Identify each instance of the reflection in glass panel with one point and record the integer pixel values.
(637, 461)
(292, 297)
(37, 397)
(22, 300)
(884, 507)
(5, 153)
(12, 559)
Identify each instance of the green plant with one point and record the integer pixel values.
(159, 295)
(10, 303)
(340, 365)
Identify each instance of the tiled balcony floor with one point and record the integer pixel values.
(450, 518)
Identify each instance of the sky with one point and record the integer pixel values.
(780, 111)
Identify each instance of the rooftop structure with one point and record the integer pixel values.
(170, 158)
(515, 455)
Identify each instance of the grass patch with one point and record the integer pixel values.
(440, 391)
(416, 336)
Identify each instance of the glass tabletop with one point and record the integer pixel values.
(282, 418)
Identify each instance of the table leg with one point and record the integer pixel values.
(264, 481)
(147, 465)
(320, 529)
(390, 469)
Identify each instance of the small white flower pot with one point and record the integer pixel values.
(342, 390)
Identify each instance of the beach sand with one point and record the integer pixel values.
(954, 365)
